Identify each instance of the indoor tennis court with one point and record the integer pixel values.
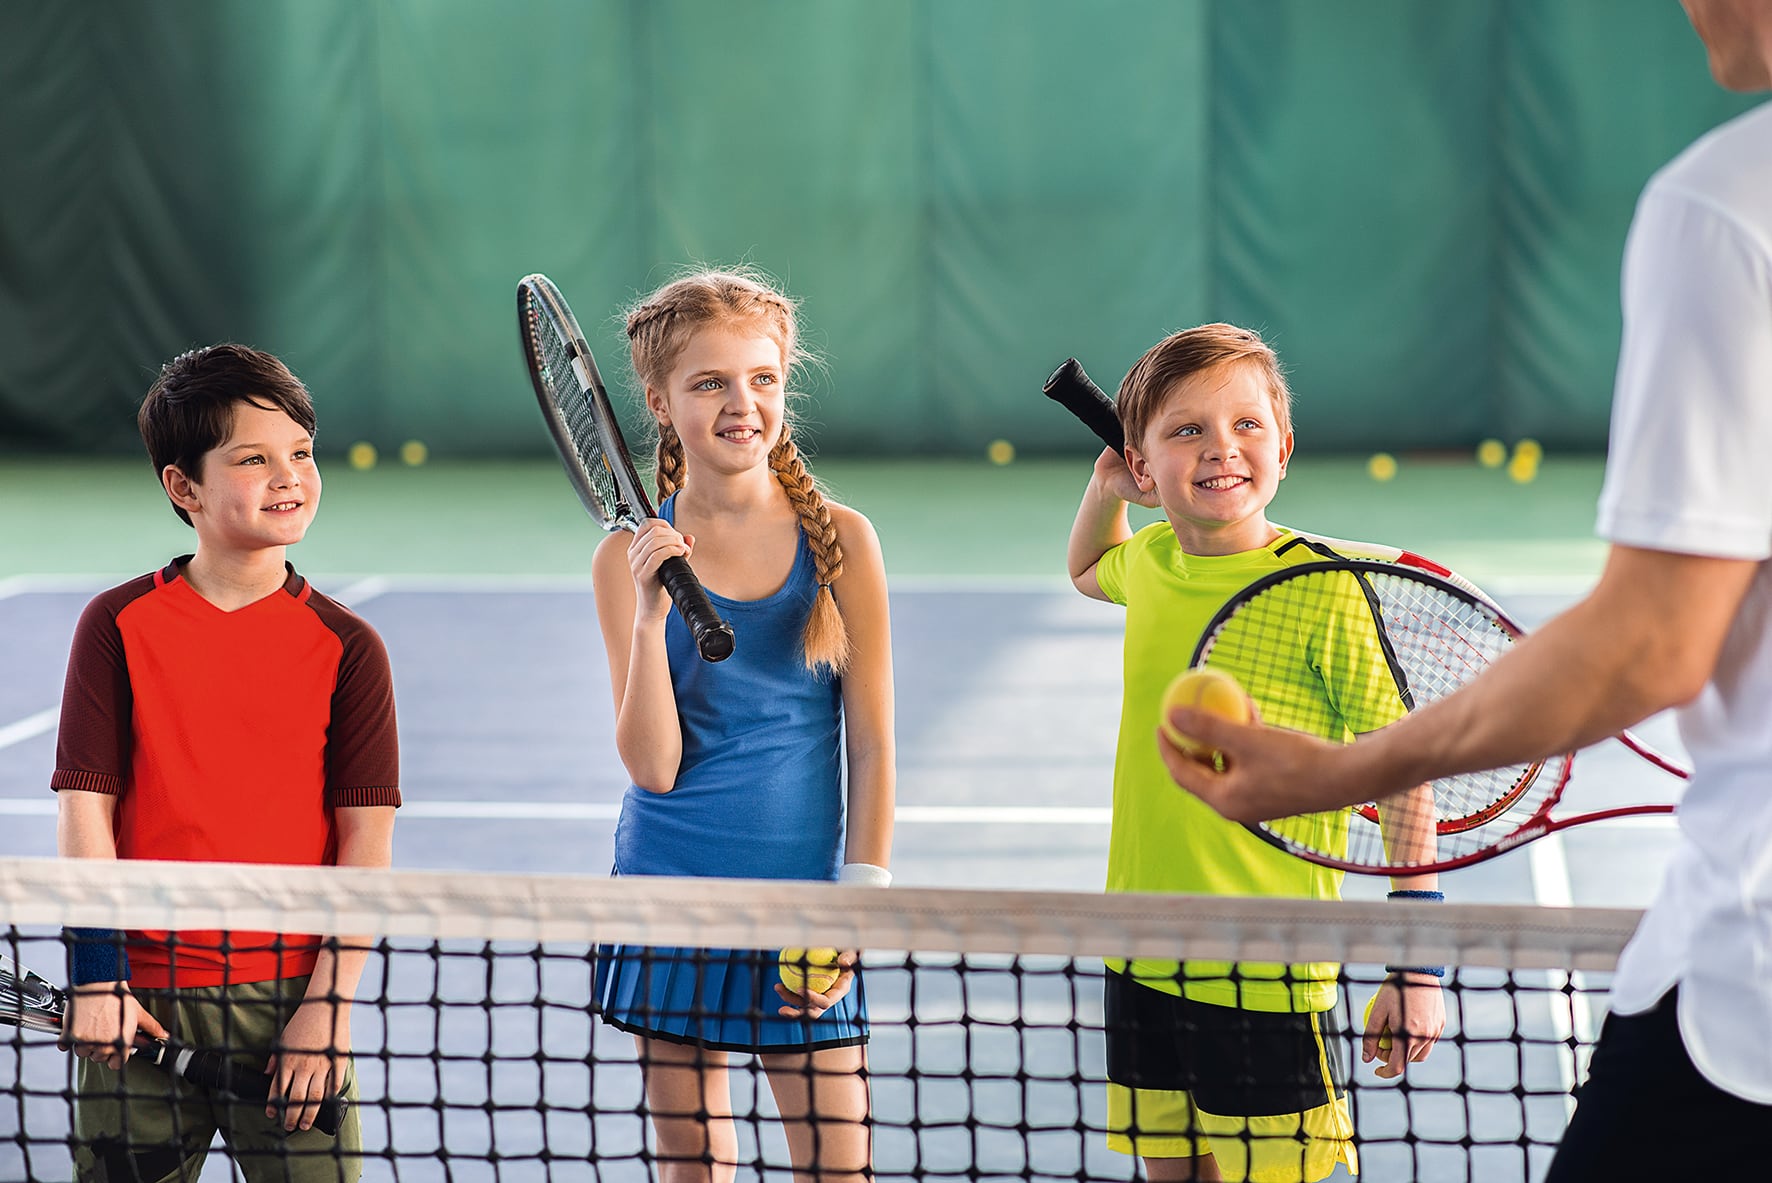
(1423, 213)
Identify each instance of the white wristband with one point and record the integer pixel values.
(865, 875)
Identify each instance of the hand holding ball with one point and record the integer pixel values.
(1203, 689)
(809, 969)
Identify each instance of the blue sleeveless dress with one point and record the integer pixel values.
(759, 795)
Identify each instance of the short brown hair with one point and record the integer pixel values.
(1180, 356)
(190, 407)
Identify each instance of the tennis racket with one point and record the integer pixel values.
(29, 1002)
(1353, 644)
(1435, 631)
(582, 421)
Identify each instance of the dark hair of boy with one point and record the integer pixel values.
(190, 407)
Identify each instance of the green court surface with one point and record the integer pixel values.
(938, 520)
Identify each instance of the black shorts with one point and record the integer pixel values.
(1646, 1113)
(1229, 1060)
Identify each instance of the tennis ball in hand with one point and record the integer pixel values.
(1208, 690)
(1384, 1040)
(809, 969)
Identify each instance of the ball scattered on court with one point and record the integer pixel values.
(1000, 451)
(414, 453)
(1382, 467)
(1204, 689)
(1529, 449)
(361, 455)
(1523, 468)
(1491, 453)
(803, 969)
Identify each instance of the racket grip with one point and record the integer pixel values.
(713, 636)
(1073, 390)
(214, 1072)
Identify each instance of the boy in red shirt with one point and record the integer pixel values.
(221, 709)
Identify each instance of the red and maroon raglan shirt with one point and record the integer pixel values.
(226, 736)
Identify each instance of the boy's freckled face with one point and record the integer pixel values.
(260, 487)
(1214, 453)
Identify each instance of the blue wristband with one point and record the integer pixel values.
(1410, 893)
(96, 955)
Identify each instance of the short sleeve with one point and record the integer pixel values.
(362, 738)
(92, 746)
(1692, 414)
(1110, 570)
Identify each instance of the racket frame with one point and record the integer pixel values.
(538, 300)
(1536, 825)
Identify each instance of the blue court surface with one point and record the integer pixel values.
(1007, 701)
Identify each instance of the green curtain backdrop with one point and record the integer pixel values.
(1422, 204)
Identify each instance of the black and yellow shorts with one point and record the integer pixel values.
(1265, 1094)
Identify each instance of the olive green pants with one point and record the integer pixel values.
(144, 1125)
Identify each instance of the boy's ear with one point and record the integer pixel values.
(1141, 470)
(180, 488)
(1285, 455)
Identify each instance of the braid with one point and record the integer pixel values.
(669, 467)
(826, 640)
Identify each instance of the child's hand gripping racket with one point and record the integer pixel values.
(30, 1002)
(583, 424)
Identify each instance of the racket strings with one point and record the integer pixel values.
(572, 411)
(1337, 652)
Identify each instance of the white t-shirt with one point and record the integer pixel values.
(1690, 471)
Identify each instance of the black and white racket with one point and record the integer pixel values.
(582, 421)
(30, 1002)
(1434, 630)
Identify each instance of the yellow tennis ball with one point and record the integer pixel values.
(1206, 690)
(1000, 452)
(1382, 467)
(804, 969)
(1491, 453)
(1529, 448)
(361, 455)
(1384, 1037)
(414, 453)
(1522, 468)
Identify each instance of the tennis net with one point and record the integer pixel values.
(479, 1054)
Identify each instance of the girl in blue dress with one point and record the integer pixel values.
(738, 766)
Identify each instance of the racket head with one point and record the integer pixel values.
(577, 409)
(1341, 647)
(28, 1000)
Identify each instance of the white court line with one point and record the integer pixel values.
(29, 727)
(940, 815)
(1548, 861)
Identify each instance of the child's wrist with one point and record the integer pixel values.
(1429, 895)
(96, 956)
(864, 875)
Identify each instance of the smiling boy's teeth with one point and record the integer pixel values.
(1221, 482)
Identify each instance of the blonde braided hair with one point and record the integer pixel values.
(659, 328)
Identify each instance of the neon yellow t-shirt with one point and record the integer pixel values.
(1166, 840)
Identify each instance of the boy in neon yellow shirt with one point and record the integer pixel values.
(1219, 1070)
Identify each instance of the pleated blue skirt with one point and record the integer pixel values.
(721, 999)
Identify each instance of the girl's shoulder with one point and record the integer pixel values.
(853, 527)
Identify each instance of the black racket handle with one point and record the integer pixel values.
(1072, 389)
(212, 1071)
(713, 636)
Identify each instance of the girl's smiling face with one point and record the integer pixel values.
(725, 396)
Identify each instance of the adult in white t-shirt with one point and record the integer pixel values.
(1681, 617)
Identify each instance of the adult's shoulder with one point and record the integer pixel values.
(1728, 170)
